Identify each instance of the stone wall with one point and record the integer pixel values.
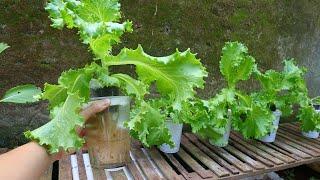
(273, 30)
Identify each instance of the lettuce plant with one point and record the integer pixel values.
(282, 90)
(248, 117)
(98, 24)
(210, 118)
(298, 94)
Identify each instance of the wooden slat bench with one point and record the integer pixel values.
(197, 159)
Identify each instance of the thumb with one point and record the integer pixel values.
(95, 107)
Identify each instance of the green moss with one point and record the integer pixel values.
(239, 16)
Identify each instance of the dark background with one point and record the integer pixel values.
(273, 30)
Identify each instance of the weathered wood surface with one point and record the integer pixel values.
(197, 159)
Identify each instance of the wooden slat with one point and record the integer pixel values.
(134, 171)
(285, 145)
(82, 170)
(99, 174)
(165, 168)
(294, 156)
(295, 130)
(300, 143)
(206, 160)
(205, 149)
(299, 138)
(295, 127)
(255, 164)
(118, 175)
(65, 168)
(47, 175)
(229, 157)
(195, 165)
(181, 169)
(240, 159)
(269, 150)
(145, 165)
(297, 146)
(261, 154)
(253, 154)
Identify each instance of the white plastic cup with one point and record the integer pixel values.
(222, 141)
(311, 134)
(175, 131)
(272, 136)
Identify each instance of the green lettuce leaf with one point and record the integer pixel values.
(76, 81)
(60, 133)
(253, 120)
(310, 119)
(131, 86)
(175, 76)
(316, 100)
(210, 118)
(236, 64)
(99, 10)
(148, 125)
(3, 46)
(96, 20)
(56, 94)
(126, 83)
(22, 94)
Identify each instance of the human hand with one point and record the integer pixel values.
(92, 110)
(87, 113)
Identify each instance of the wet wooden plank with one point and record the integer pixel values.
(205, 149)
(261, 155)
(286, 145)
(47, 175)
(254, 164)
(145, 165)
(205, 159)
(269, 150)
(163, 165)
(65, 171)
(81, 168)
(204, 173)
(181, 169)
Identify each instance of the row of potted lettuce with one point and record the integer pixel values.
(256, 114)
(175, 77)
